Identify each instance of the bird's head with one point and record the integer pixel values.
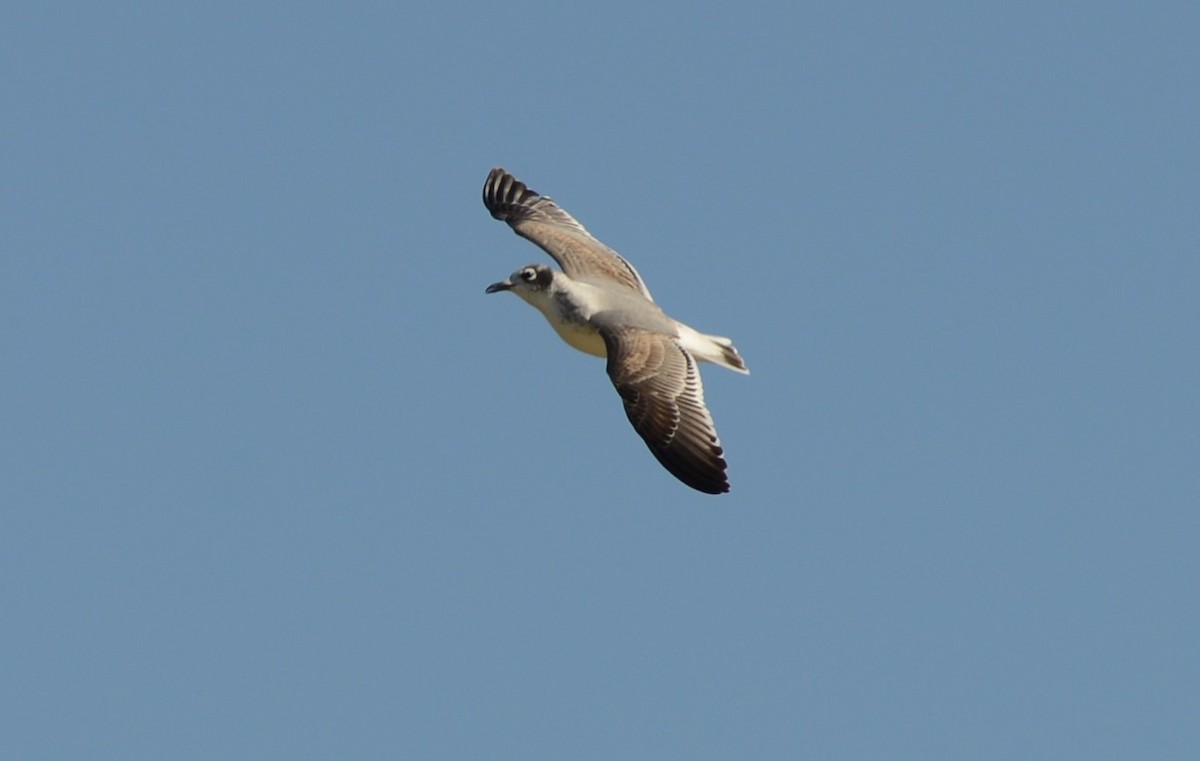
(529, 282)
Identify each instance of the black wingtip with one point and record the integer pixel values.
(708, 477)
(504, 195)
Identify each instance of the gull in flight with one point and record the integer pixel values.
(599, 304)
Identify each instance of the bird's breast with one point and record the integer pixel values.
(580, 336)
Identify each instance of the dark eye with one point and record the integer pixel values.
(529, 274)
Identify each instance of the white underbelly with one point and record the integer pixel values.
(582, 337)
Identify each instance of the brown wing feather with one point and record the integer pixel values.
(664, 399)
(539, 219)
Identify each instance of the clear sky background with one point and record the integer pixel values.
(278, 480)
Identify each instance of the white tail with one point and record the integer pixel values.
(715, 349)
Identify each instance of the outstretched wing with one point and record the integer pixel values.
(660, 385)
(539, 219)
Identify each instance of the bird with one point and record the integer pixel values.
(599, 304)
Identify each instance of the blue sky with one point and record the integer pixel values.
(279, 481)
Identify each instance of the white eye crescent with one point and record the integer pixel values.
(529, 274)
